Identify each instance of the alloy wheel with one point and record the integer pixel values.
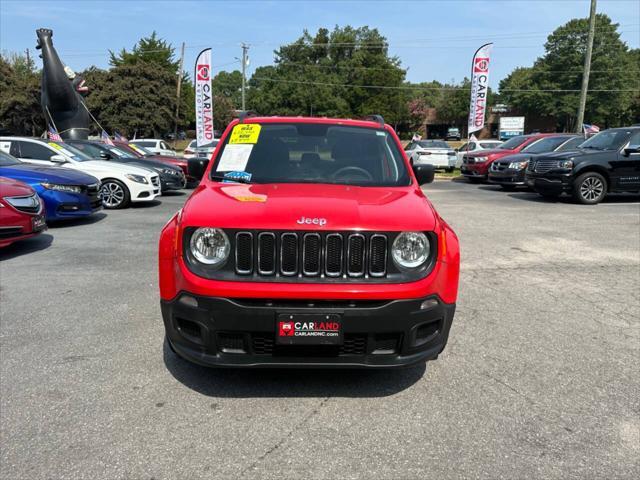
(112, 194)
(591, 189)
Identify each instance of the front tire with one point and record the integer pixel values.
(589, 188)
(114, 194)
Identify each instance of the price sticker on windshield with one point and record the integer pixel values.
(245, 133)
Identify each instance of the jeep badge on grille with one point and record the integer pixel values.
(312, 221)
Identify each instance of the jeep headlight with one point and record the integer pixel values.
(62, 188)
(210, 246)
(568, 164)
(518, 165)
(410, 249)
(136, 178)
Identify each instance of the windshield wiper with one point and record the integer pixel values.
(592, 147)
(229, 179)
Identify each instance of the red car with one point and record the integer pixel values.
(21, 212)
(475, 166)
(141, 152)
(309, 242)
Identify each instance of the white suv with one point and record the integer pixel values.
(154, 145)
(121, 183)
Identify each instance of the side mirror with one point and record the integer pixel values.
(456, 150)
(105, 156)
(424, 173)
(631, 149)
(197, 166)
(58, 159)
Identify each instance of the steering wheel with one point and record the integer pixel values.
(358, 170)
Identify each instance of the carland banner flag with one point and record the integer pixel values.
(479, 87)
(204, 98)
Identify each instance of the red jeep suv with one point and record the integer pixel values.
(475, 166)
(309, 242)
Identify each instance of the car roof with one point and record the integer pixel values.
(317, 120)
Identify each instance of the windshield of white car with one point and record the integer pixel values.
(312, 153)
(548, 144)
(512, 143)
(432, 144)
(608, 140)
(70, 151)
(142, 143)
(7, 160)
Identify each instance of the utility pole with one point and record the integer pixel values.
(28, 57)
(175, 131)
(587, 67)
(245, 48)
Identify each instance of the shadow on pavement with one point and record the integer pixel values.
(143, 205)
(620, 198)
(175, 193)
(74, 222)
(25, 247)
(270, 383)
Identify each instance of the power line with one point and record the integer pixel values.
(418, 87)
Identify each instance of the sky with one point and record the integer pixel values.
(435, 40)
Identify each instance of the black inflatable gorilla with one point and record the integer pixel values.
(62, 91)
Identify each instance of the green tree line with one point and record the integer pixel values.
(344, 72)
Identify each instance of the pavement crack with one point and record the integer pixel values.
(285, 437)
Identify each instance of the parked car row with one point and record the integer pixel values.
(557, 163)
(48, 181)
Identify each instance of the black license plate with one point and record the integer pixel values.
(38, 223)
(309, 329)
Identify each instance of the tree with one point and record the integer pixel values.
(345, 72)
(554, 79)
(148, 50)
(138, 94)
(20, 110)
(133, 98)
(229, 85)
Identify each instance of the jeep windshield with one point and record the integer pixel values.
(608, 140)
(310, 153)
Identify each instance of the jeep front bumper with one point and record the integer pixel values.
(227, 332)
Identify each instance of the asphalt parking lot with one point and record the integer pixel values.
(540, 377)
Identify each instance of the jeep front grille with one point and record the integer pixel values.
(311, 254)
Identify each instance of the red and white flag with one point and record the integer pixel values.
(590, 129)
(54, 135)
(479, 87)
(204, 98)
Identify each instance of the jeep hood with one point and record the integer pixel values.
(286, 206)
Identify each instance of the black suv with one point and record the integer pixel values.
(608, 162)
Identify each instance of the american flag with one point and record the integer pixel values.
(54, 135)
(590, 129)
(120, 138)
(106, 138)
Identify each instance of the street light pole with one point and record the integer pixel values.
(245, 47)
(587, 67)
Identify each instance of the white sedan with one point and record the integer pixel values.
(121, 183)
(193, 150)
(476, 146)
(435, 152)
(159, 147)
